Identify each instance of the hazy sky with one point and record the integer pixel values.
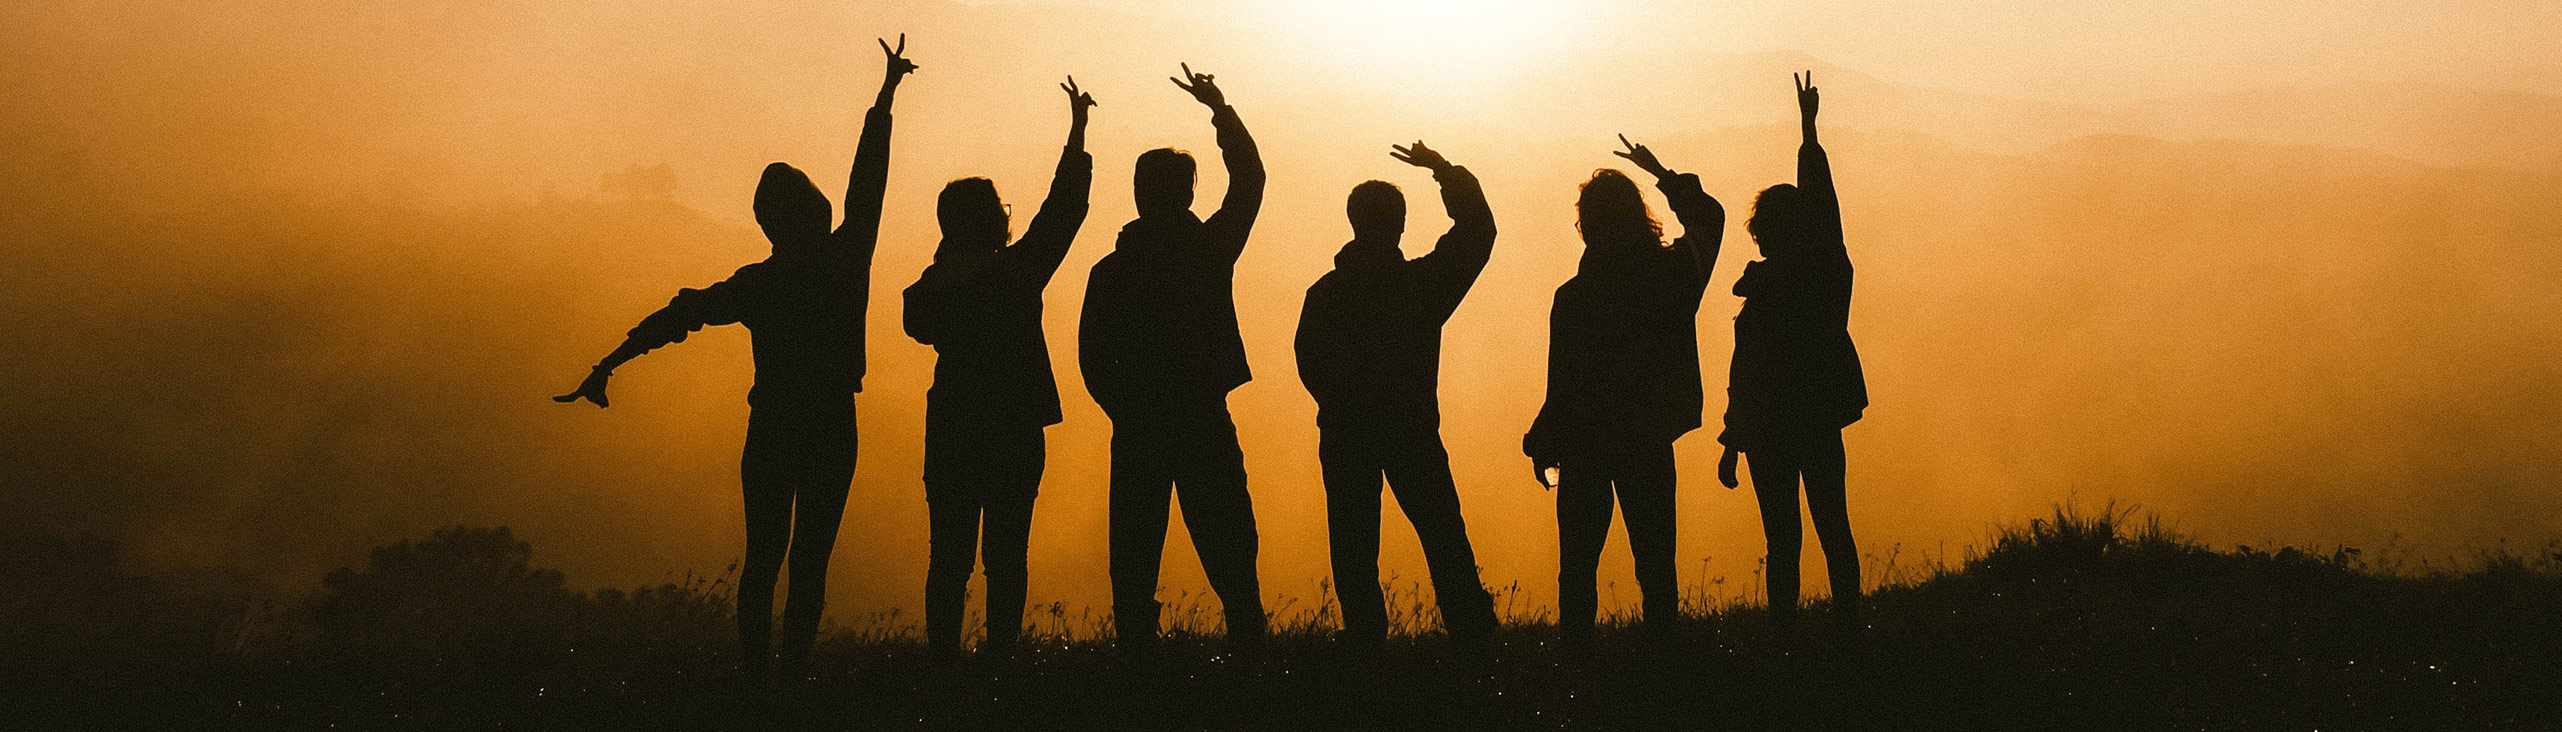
(285, 280)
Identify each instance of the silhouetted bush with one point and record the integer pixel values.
(70, 605)
(468, 602)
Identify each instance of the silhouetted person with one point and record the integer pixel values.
(1369, 351)
(804, 307)
(979, 305)
(1796, 380)
(1159, 348)
(1623, 383)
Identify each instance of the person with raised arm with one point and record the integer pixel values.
(1796, 380)
(1369, 348)
(1159, 349)
(1624, 383)
(804, 307)
(979, 306)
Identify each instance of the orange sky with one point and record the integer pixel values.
(302, 273)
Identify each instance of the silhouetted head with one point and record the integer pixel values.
(1163, 182)
(1611, 213)
(1778, 222)
(791, 210)
(973, 217)
(1378, 211)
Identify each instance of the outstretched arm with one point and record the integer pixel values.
(1235, 217)
(1703, 219)
(1045, 243)
(689, 311)
(871, 174)
(1815, 172)
(1462, 253)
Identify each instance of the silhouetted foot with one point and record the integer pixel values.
(1783, 621)
(1357, 648)
(941, 654)
(995, 653)
(1246, 643)
(1135, 650)
(1577, 637)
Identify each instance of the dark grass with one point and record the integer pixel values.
(2079, 620)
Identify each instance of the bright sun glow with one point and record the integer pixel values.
(1437, 37)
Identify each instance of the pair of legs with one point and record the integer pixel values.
(1417, 467)
(1641, 479)
(798, 464)
(980, 481)
(1777, 468)
(1188, 447)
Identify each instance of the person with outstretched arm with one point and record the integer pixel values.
(804, 307)
(979, 306)
(1796, 381)
(1159, 349)
(1624, 383)
(1369, 348)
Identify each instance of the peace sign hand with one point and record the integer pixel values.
(1807, 98)
(1077, 100)
(898, 64)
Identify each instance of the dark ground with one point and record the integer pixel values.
(2074, 621)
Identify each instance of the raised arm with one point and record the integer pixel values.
(1815, 172)
(1703, 219)
(1235, 217)
(691, 310)
(871, 175)
(1045, 243)
(1462, 252)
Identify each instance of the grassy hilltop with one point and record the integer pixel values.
(2076, 620)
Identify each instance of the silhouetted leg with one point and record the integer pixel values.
(1774, 484)
(1016, 482)
(952, 516)
(1827, 503)
(818, 508)
(1220, 514)
(1584, 503)
(956, 480)
(1419, 472)
(1646, 487)
(764, 480)
(1352, 531)
(1142, 492)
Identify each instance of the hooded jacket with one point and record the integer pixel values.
(1160, 320)
(1623, 338)
(1369, 341)
(980, 308)
(804, 305)
(1795, 369)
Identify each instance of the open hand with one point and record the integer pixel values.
(592, 389)
(899, 65)
(1643, 157)
(1203, 87)
(1726, 469)
(1807, 98)
(1419, 156)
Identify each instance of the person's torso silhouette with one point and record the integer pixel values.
(1624, 383)
(1159, 348)
(979, 306)
(1796, 380)
(804, 308)
(1369, 352)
